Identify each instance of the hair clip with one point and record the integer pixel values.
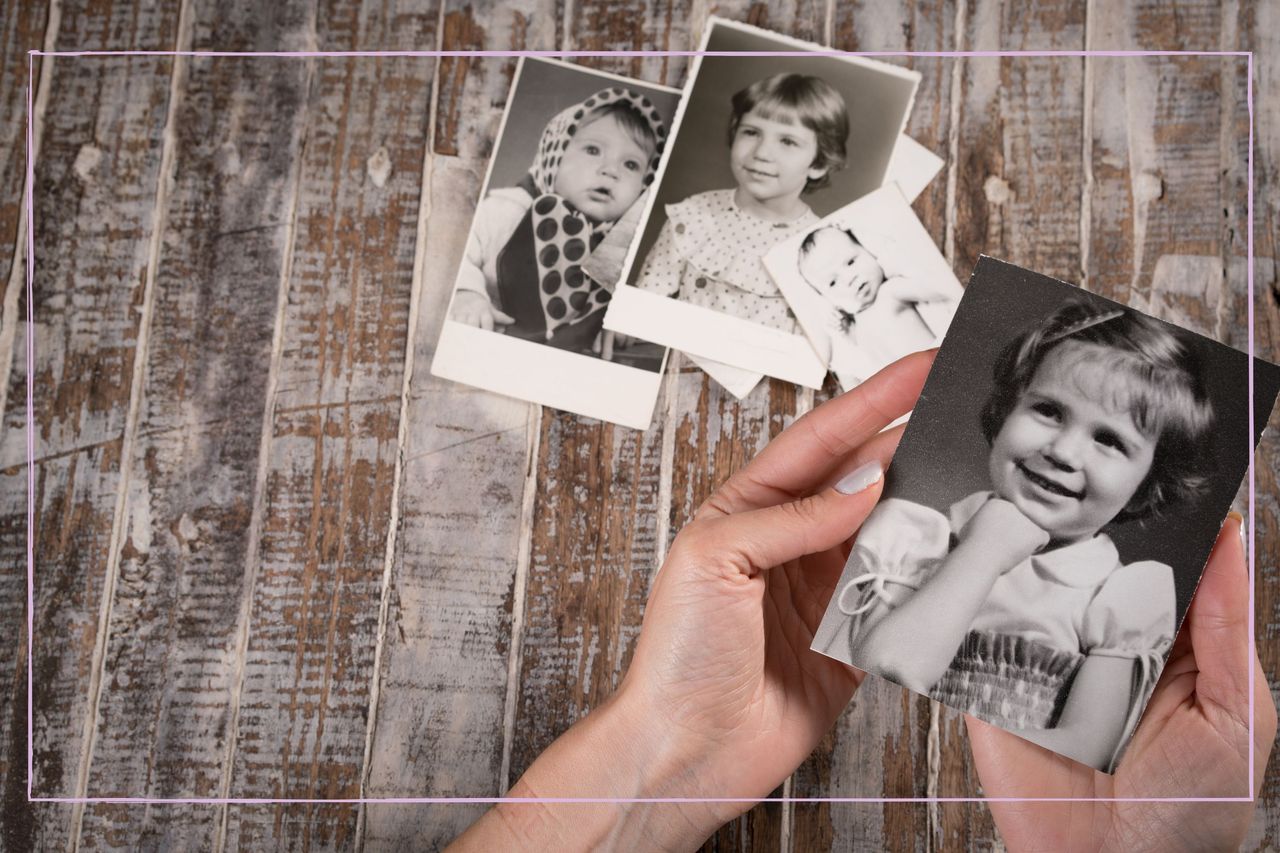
(1081, 325)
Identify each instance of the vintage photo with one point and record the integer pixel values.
(763, 148)
(577, 151)
(1049, 512)
(867, 285)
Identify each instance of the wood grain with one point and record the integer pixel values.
(309, 667)
(1018, 197)
(91, 239)
(1255, 28)
(170, 671)
(453, 597)
(879, 747)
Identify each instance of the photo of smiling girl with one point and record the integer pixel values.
(1013, 602)
(786, 135)
(763, 147)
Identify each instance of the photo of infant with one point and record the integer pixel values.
(524, 273)
(558, 211)
(763, 148)
(867, 285)
(1048, 512)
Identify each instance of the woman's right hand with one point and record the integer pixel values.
(474, 309)
(1194, 741)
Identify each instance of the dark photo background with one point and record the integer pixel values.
(943, 456)
(545, 88)
(698, 160)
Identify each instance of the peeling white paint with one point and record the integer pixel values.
(379, 167)
(997, 190)
(1187, 275)
(227, 160)
(87, 160)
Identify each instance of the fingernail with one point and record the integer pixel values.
(1244, 539)
(860, 478)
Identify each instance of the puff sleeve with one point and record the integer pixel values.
(900, 544)
(1132, 614)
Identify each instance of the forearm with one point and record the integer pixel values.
(603, 756)
(914, 642)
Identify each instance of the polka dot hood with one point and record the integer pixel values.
(563, 237)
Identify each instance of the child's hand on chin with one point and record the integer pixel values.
(474, 309)
(1000, 523)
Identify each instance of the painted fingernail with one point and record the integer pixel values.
(860, 478)
(1244, 539)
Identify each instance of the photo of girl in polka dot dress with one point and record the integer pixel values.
(763, 147)
(524, 273)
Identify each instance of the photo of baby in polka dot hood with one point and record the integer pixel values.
(525, 269)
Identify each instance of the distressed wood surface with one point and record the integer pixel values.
(180, 577)
(330, 475)
(277, 558)
(461, 558)
(94, 206)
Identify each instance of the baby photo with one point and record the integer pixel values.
(1049, 512)
(763, 148)
(867, 285)
(576, 153)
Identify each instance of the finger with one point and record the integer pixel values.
(499, 317)
(747, 543)
(1219, 625)
(811, 450)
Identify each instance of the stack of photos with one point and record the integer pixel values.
(620, 218)
(1049, 512)
(763, 148)
(576, 154)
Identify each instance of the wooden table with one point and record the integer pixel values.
(275, 558)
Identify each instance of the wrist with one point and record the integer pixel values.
(614, 753)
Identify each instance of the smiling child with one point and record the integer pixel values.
(787, 134)
(1022, 612)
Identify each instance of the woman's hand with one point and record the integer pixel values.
(1193, 741)
(723, 697)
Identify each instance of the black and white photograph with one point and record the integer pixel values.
(1049, 512)
(764, 146)
(576, 154)
(867, 285)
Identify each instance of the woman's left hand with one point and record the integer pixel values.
(724, 698)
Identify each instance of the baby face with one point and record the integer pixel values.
(1066, 458)
(602, 171)
(772, 158)
(840, 269)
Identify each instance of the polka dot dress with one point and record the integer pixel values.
(709, 254)
(563, 237)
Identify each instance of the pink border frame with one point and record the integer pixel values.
(30, 322)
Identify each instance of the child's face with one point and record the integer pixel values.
(602, 171)
(772, 158)
(840, 269)
(1063, 457)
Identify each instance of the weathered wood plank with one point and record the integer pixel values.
(448, 639)
(879, 747)
(21, 29)
(309, 668)
(96, 180)
(171, 668)
(1254, 27)
(1018, 197)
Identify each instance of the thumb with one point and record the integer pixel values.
(763, 538)
(1219, 625)
(504, 319)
